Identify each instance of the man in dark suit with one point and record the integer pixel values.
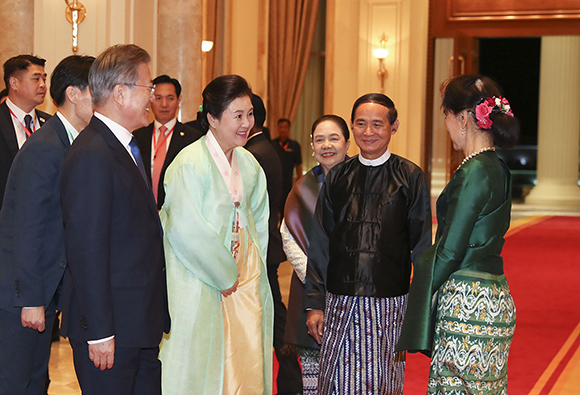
(25, 80)
(289, 379)
(114, 291)
(161, 141)
(32, 256)
(290, 155)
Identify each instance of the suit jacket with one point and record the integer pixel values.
(115, 282)
(267, 157)
(9, 144)
(32, 256)
(183, 135)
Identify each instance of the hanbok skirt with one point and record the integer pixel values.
(242, 312)
(475, 324)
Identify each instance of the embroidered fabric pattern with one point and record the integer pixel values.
(309, 374)
(475, 326)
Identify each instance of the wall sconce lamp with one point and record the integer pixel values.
(381, 53)
(75, 13)
(206, 46)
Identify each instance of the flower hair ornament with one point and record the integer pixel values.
(489, 105)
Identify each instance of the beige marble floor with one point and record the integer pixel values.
(63, 380)
(62, 374)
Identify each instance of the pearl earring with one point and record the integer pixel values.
(462, 130)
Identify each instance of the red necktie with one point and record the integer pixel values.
(158, 159)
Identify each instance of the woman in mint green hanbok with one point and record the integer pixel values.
(460, 309)
(215, 219)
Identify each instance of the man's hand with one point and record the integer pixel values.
(230, 291)
(315, 324)
(33, 317)
(103, 354)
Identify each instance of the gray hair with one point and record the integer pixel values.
(117, 65)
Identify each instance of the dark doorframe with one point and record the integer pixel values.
(464, 20)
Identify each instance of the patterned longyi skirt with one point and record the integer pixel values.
(476, 318)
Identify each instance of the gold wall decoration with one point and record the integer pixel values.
(75, 13)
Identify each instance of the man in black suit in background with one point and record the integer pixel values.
(290, 155)
(289, 375)
(25, 80)
(32, 255)
(161, 141)
(114, 291)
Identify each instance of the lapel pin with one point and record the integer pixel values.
(181, 134)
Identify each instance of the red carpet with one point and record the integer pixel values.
(542, 265)
(542, 268)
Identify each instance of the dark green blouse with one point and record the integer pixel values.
(473, 214)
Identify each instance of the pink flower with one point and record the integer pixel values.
(486, 107)
(482, 110)
(485, 123)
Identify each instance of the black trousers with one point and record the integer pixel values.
(24, 355)
(289, 373)
(136, 371)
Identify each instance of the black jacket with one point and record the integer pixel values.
(372, 223)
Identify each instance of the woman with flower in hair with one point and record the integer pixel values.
(460, 309)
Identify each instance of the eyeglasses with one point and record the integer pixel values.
(151, 88)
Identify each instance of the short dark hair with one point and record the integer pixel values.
(467, 91)
(378, 98)
(259, 111)
(285, 120)
(116, 65)
(339, 121)
(165, 79)
(71, 71)
(3, 93)
(18, 64)
(220, 92)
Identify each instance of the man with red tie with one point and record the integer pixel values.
(25, 80)
(161, 141)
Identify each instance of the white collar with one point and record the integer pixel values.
(220, 156)
(68, 126)
(259, 132)
(375, 162)
(169, 125)
(20, 114)
(122, 134)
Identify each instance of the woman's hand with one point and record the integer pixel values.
(230, 291)
(315, 324)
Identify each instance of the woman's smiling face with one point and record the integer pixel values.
(231, 130)
(329, 145)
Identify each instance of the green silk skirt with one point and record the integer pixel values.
(476, 319)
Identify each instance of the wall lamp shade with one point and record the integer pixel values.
(380, 53)
(206, 46)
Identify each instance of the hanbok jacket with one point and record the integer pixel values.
(197, 220)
